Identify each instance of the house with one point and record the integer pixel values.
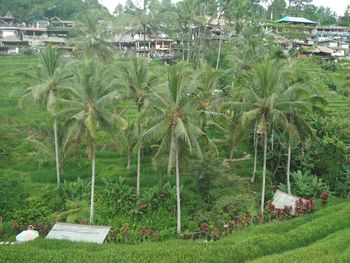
(38, 21)
(7, 20)
(11, 44)
(326, 32)
(297, 21)
(328, 43)
(57, 22)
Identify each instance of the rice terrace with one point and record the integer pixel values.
(174, 131)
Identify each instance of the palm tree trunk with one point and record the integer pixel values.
(219, 54)
(92, 187)
(264, 174)
(138, 171)
(129, 157)
(231, 153)
(56, 151)
(288, 165)
(272, 140)
(255, 155)
(189, 45)
(144, 41)
(178, 208)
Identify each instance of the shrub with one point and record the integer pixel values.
(12, 194)
(305, 185)
(324, 198)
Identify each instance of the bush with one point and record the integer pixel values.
(305, 185)
(12, 195)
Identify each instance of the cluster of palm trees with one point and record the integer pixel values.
(175, 105)
(173, 112)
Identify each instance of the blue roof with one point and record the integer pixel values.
(292, 19)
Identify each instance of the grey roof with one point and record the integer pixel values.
(123, 38)
(55, 40)
(8, 15)
(10, 39)
(79, 233)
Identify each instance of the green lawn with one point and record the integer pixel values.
(320, 237)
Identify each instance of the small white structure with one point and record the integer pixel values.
(27, 235)
(281, 199)
(79, 233)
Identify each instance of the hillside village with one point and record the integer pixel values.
(329, 42)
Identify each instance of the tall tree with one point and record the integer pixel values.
(174, 118)
(51, 75)
(138, 79)
(88, 109)
(92, 33)
(265, 100)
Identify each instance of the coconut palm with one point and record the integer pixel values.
(138, 20)
(187, 16)
(51, 75)
(265, 100)
(174, 118)
(138, 79)
(93, 33)
(88, 108)
(304, 104)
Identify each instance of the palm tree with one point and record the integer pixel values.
(52, 73)
(187, 16)
(92, 34)
(174, 117)
(138, 79)
(89, 108)
(138, 20)
(304, 103)
(265, 99)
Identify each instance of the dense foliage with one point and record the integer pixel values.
(197, 148)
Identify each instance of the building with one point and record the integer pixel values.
(297, 21)
(312, 39)
(39, 31)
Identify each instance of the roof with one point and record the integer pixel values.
(38, 18)
(55, 40)
(292, 19)
(79, 233)
(8, 16)
(124, 38)
(321, 49)
(10, 39)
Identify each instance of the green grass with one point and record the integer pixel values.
(320, 237)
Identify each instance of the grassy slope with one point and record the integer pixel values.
(321, 237)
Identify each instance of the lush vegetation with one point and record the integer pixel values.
(192, 150)
(319, 237)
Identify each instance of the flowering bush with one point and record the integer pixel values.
(303, 206)
(324, 198)
(280, 213)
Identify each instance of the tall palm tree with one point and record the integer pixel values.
(304, 104)
(174, 118)
(52, 73)
(265, 99)
(92, 34)
(138, 20)
(138, 79)
(89, 108)
(187, 16)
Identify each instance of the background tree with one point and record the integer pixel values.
(92, 33)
